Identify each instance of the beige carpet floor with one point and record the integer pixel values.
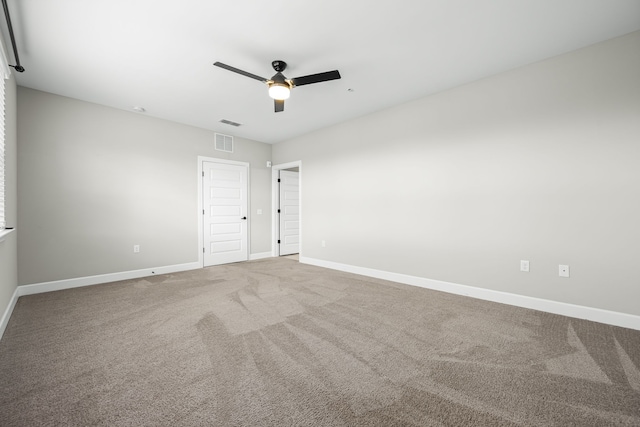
(278, 343)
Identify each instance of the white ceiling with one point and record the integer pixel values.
(159, 53)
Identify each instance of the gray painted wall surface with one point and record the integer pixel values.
(94, 181)
(9, 248)
(540, 163)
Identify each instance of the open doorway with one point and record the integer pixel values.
(287, 204)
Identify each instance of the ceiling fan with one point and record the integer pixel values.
(280, 86)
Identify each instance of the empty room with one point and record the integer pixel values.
(408, 213)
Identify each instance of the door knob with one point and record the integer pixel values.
(244, 217)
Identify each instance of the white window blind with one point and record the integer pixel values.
(3, 75)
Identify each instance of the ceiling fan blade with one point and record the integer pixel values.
(279, 105)
(316, 78)
(236, 70)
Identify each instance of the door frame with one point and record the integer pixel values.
(201, 160)
(275, 190)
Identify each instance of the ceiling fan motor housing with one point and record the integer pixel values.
(280, 79)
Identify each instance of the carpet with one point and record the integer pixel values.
(274, 342)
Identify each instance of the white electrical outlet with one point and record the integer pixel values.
(563, 270)
(524, 265)
(323, 244)
(259, 212)
(136, 249)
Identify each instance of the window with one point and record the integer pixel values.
(4, 74)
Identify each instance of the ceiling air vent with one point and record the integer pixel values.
(229, 122)
(224, 143)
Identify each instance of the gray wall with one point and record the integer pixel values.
(540, 163)
(9, 248)
(94, 181)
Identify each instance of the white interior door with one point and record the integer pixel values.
(224, 195)
(289, 212)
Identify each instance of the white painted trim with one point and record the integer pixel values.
(274, 203)
(5, 232)
(202, 159)
(260, 255)
(581, 312)
(7, 313)
(288, 165)
(57, 285)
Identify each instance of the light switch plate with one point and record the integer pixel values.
(524, 265)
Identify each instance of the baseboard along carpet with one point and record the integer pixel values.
(276, 343)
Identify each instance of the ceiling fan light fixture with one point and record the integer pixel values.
(280, 86)
(279, 91)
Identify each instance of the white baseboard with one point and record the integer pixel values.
(7, 313)
(57, 285)
(261, 255)
(581, 312)
(565, 309)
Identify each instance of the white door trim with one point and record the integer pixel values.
(274, 203)
(201, 160)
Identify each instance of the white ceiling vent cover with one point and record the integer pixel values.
(224, 143)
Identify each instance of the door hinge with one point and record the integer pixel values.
(278, 210)
(278, 179)
(202, 211)
(278, 241)
(203, 250)
(203, 174)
